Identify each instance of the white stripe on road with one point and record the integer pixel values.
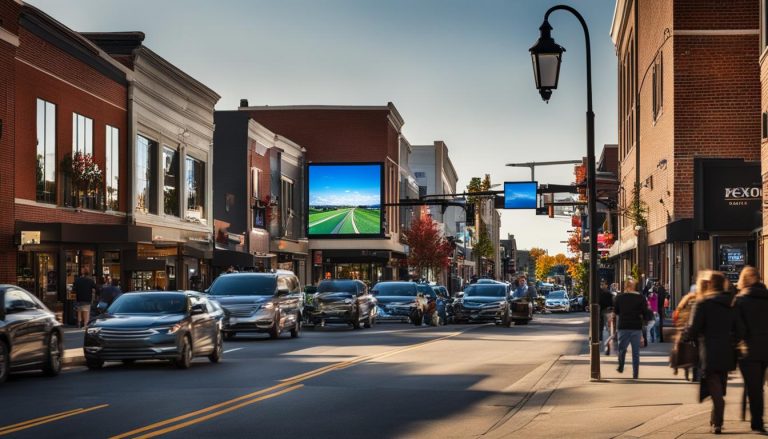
(325, 219)
(232, 350)
(354, 226)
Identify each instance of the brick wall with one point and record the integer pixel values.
(7, 152)
(42, 214)
(75, 88)
(717, 96)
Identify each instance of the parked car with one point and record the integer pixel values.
(558, 301)
(484, 302)
(30, 335)
(259, 302)
(521, 307)
(398, 300)
(155, 325)
(341, 301)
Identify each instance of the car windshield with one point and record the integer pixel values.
(557, 295)
(395, 289)
(243, 285)
(336, 286)
(154, 303)
(486, 290)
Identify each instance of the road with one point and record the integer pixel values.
(393, 380)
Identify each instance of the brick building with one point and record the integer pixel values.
(61, 95)
(688, 137)
(348, 134)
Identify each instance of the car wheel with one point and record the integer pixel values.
(218, 350)
(370, 321)
(5, 361)
(94, 364)
(274, 331)
(52, 365)
(356, 319)
(185, 354)
(417, 318)
(229, 335)
(296, 330)
(506, 321)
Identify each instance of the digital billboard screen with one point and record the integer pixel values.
(344, 200)
(520, 194)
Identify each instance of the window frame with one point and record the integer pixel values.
(189, 165)
(80, 121)
(168, 207)
(46, 143)
(112, 166)
(151, 165)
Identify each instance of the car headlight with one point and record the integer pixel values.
(93, 331)
(347, 301)
(175, 328)
(268, 305)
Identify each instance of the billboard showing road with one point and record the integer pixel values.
(344, 200)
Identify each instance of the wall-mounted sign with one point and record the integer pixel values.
(728, 195)
(520, 194)
(30, 237)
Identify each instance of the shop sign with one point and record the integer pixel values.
(30, 237)
(728, 195)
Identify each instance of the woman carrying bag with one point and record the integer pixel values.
(716, 327)
(752, 310)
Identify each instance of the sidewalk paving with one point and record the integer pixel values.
(565, 403)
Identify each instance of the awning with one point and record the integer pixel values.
(226, 258)
(620, 247)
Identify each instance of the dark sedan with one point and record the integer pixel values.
(399, 301)
(484, 302)
(155, 325)
(30, 335)
(342, 301)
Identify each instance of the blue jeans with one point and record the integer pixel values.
(627, 337)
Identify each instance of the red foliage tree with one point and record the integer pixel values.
(428, 249)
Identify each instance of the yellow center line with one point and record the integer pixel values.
(46, 419)
(218, 413)
(296, 379)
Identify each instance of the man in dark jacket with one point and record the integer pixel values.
(752, 309)
(84, 288)
(630, 307)
(715, 325)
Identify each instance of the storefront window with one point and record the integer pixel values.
(146, 165)
(170, 181)
(112, 177)
(46, 152)
(110, 265)
(195, 189)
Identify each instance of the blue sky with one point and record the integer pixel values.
(347, 185)
(457, 70)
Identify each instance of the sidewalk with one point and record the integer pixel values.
(565, 403)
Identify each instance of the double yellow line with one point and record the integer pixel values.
(8, 429)
(285, 386)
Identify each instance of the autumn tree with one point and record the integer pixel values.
(429, 252)
(483, 248)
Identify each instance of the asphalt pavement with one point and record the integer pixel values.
(392, 380)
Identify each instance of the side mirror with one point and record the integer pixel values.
(197, 309)
(101, 308)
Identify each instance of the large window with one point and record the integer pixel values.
(146, 167)
(112, 180)
(195, 189)
(170, 181)
(82, 134)
(286, 205)
(46, 152)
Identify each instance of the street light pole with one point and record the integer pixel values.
(546, 57)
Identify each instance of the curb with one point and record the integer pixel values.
(73, 357)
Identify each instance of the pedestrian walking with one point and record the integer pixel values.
(716, 327)
(85, 290)
(752, 308)
(680, 319)
(630, 308)
(653, 304)
(606, 307)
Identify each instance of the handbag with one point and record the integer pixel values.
(684, 353)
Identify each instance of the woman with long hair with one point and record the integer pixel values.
(716, 326)
(752, 308)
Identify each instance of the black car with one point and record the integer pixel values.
(484, 302)
(259, 302)
(30, 335)
(155, 325)
(341, 301)
(521, 306)
(399, 300)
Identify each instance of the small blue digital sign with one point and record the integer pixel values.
(520, 194)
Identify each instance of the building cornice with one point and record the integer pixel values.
(619, 22)
(177, 74)
(9, 37)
